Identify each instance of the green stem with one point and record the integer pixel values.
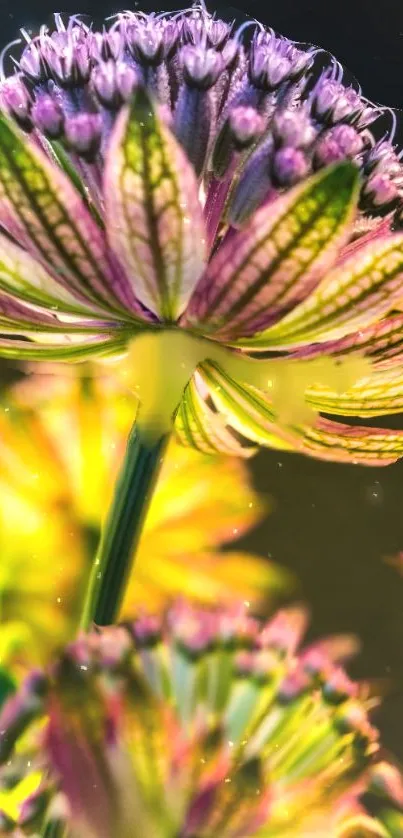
(122, 529)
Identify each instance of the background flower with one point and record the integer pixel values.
(61, 441)
(116, 224)
(203, 723)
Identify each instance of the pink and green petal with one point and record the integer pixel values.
(44, 212)
(87, 348)
(199, 426)
(262, 272)
(382, 342)
(154, 216)
(26, 278)
(379, 395)
(251, 414)
(351, 297)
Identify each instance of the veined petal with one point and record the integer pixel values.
(251, 414)
(200, 427)
(381, 341)
(44, 212)
(88, 347)
(21, 318)
(25, 277)
(351, 297)
(263, 271)
(154, 217)
(378, 395)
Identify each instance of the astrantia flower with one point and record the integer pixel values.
(61, 494)
(203, 724)
(194, 213)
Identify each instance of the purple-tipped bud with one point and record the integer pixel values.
(217, 32)
(387, 781)
(293, 128)
(193, 123)
(106, 45)
(31, 62)
(245, 125)
(242, 128)
(332, 102)
(381, 191)
(83, 133)
(147, 630)
(201, 67)
(336, 144)
(338, 687)
(15, 98)
(114, 83)
(191, 631)
(230, 53)
(145, 41)
(293, 687)
(352, 718)
(252, 187)
(48, 116)
(268, 70)
(67, 55)
(289, 166)
(382, 158)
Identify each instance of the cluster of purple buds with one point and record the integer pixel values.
(249, 730)
(254, 112)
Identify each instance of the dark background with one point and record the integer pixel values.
(331, 524)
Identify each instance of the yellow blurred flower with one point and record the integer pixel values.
(62, 438)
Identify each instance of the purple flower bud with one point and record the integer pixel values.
(48, 116)
(253, 186)
(67, 55)
(126, 80)
(217, 32)
(113, 82)
(293, 687)
(293, 128)
(338, 143)
(387, 781)
(106, 45)
(83, 133)
(245, 125)
(15, 98)
(201, 67)
(32, 63)
(268, 69)
(147, 630)
(338, 687)
(327, 151)
(352, 718)
(381, 190)
(145, 41)
(171, 30)
(289, 166)
(348, 139)
(230, 53)
(192, 124)
(332, 102)
(382, 158)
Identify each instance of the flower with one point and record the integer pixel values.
(200, 723)
(180, 194)
(61, 493)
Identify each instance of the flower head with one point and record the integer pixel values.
(188, 196)
(202, 723)
(61, 492)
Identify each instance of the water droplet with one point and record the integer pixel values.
(375, 493)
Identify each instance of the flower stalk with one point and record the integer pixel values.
(123, 527)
